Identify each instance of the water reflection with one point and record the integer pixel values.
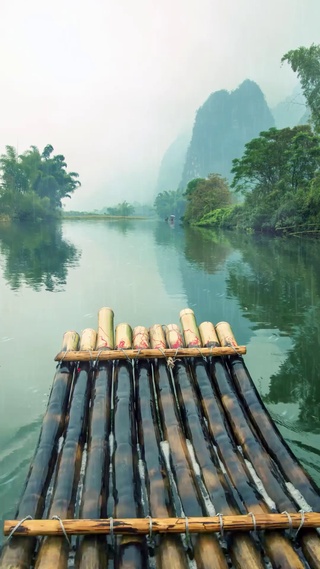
(36, 255)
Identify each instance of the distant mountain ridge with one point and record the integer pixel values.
(172, 164)
(223, 125)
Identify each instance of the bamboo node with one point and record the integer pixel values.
(17, 526)
(221, 525)
(62, 527)
(302, 512)
(289, 520)
(253, 520)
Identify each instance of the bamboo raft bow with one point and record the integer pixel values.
(152, 422)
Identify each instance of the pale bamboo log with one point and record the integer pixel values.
(225, 335)
(190, 328)
(140, 337)
(105, 339)
(123, 339)
(129, 526)
(141, 354)
(157, 337)
(88, 339)
(174, 336)
(18, 552)
(208, 335)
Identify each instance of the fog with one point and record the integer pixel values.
(110, 84)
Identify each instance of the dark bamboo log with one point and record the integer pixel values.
(53, 551)
(136, 526)
(277, 546)
(131, 551)
(18, 553)
(265, 427)
(92, 551)
(242, 548)
(253, 449)
(169, 550)
(208, 552)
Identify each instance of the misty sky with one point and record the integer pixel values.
(111, 83)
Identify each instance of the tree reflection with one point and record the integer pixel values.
(278, 286)
(36, 255)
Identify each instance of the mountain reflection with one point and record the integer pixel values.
(36, 255)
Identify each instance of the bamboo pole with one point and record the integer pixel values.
(277, 546)
(123, 339)
(53, 551)
(131, 551)
(169, 550)
(208, 552)
(140, 338)
(253, 449)
(18, 553)
(267, 430)
(92, 550)
(242, 548)
(142, 354)
(197, 524)
(105, 340)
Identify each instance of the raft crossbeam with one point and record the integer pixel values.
(147, 353)
(144, 526)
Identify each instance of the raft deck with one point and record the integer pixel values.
(157, 449)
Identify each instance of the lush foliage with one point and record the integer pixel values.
(279, 176)
(33, 184)
(170, 203)
(205, 195)
(306, 63)
(123, 209)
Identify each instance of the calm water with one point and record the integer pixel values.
(56, 278)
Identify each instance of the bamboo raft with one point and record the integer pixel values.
(157, 451)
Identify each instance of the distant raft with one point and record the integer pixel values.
(157, 451)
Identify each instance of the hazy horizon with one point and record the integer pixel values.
(111, 84)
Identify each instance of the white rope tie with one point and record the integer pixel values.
(253, 520)
(221, 525)
(17, 526)
(150, 526)
(289, 520)
(302, 512)
(62, 527)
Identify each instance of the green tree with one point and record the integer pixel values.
(278, 175)
(33, 184)
(170, 203)
(306, 63)
(123, 209)
(205, 195)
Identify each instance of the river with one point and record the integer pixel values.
(55, 278)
